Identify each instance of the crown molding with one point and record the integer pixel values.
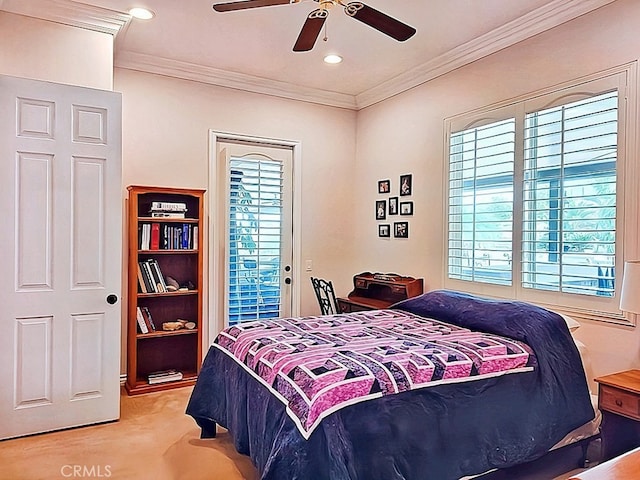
(69, 13)
(108, 21)
(535, 22)
(551, 15)
(223, 78)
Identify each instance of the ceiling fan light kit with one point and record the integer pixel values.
(315, 20)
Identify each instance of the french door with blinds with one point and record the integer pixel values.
(258, 232)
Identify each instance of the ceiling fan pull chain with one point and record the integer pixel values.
(326, 37)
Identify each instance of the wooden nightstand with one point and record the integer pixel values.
(619, 402)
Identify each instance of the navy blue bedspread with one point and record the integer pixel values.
(442, 432)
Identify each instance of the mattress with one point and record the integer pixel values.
(589, 429)
(585, 431)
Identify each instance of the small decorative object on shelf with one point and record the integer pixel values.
(177, 325)
(164, 338)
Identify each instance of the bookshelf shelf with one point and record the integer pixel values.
(164, 253)
(167, 220)
(168, 294)
(167, 333)
(167, 252)
(142, 385)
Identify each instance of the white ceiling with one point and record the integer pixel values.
(252, 49)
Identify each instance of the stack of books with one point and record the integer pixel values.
(164, 376)
(145, 320)
(168, 209)
(150, 278)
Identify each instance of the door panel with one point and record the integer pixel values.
(86, 355)
(60, 168)
(33, 362)
(88, 226)
(32, 211)
(258, 213)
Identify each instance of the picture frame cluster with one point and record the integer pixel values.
(394, 205)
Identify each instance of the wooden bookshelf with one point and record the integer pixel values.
(177, 252)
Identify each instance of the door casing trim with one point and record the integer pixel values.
(214, 296)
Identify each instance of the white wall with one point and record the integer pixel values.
(405, 134)
(166, 123)
(52, 52)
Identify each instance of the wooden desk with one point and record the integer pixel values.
(374, 291)
(619, 402)
(358, 304)
(624, 467)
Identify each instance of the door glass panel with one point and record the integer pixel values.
(254, 238)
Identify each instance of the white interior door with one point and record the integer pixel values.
(258, 234)
(60, 195)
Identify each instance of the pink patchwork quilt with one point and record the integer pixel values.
(317, 365)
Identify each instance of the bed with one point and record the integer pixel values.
(452, 386)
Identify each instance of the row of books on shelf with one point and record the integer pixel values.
(167, 236)
(150, 278)
(163, 376)
(145, 320)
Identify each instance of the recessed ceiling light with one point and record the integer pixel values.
(333, 58)
(141, 13)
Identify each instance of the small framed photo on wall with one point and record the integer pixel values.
(393, 205)
(405, 184)
(384, 186)
(381, 209)
(401, 229)
(406, 208)
(384, 230)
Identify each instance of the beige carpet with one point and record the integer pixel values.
(153, 440)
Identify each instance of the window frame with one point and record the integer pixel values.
(590, 307)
